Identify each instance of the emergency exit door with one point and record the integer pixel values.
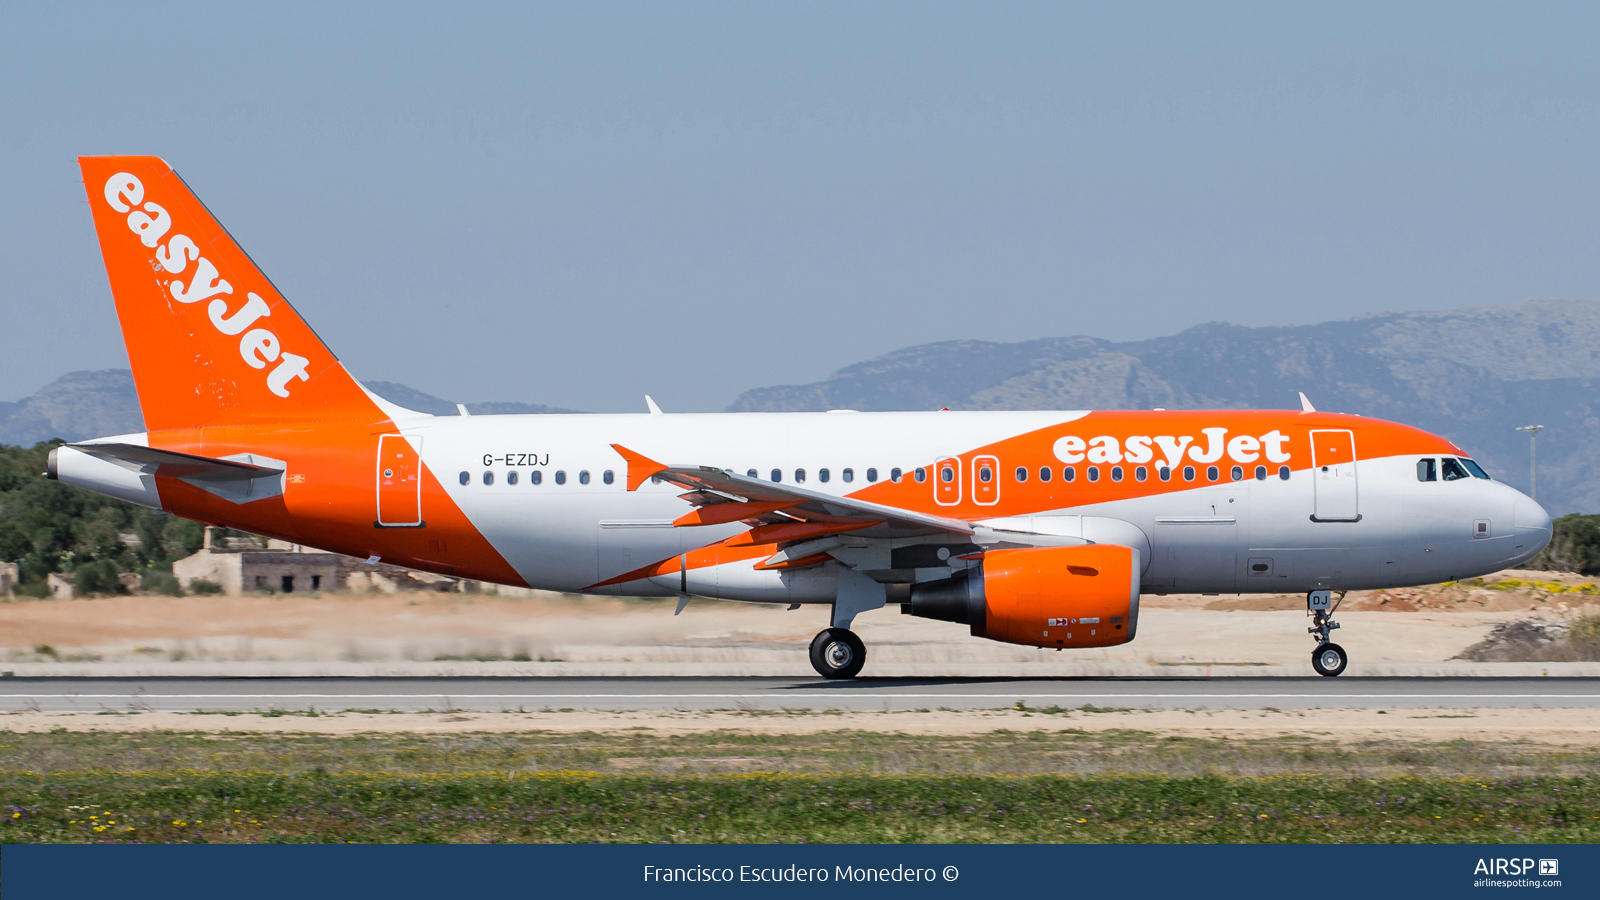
(985, 480)
(947, 481)
(1333, 472)
(399, 482)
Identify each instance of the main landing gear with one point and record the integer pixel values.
(838, 653)
(1329, 658)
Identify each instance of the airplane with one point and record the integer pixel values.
(1039, 528)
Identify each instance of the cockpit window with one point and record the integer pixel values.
(1476, 470)
(1427, 470)
(1454, 470)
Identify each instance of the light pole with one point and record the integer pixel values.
(1533, 456)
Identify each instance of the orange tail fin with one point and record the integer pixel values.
(211, 341)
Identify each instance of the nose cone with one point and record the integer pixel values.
(1532, 523)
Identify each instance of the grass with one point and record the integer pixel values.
(844, 786)
(1551, 587)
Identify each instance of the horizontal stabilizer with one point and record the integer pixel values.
(237, 479)
(150, 461)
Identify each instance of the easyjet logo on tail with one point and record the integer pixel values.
(1242, 448)
(258, 345)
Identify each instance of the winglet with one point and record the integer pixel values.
(1305, 403)
(640, 467)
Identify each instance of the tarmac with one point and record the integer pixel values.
(501, 694)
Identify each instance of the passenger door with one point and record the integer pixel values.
(399, 482)
(1333, 471)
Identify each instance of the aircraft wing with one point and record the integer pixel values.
(722, 496)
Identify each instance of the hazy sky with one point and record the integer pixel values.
(577, 204)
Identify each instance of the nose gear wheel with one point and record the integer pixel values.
(1329, 659)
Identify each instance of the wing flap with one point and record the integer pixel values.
(791, 502)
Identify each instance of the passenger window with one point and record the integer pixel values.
(947, 474)
(922, 475)
(1211, 473)
(1141, 474)
(985, 474)
(1068, 473)
(848, 475)
(1283, 473)
(1261, 473)
(535, 477)
(1044, 473)
(1427, 470)
(872, 476)
(488, 477)
(1022, 473)
(608, 477)
(511, 477)
(1116, 473)
(1093, 473)
(1188, 473)
(466, 478)
(822, 475)
(561, 476)
(583, 477)
(895, 475)
(1453, 470)
(777, 475)
(1476, 470)
(1165, 473)
(800, 476)
(1237, 473)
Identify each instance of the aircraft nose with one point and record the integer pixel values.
(1528, 516)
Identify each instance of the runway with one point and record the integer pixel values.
(534, 694)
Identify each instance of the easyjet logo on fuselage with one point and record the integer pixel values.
(1243, 448)
(258, 346)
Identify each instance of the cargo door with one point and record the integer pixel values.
(1333, 471)
(399, 481)
(985, 480)
(1199, 554)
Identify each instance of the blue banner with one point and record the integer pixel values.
(313, 872)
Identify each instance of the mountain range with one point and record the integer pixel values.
(1472, 375)
(81, 405)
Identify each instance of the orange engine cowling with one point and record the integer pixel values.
(1081, 596)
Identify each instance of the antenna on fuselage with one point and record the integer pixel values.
(1305, 403)
(654, 409)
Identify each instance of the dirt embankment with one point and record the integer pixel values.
(1413, 625)
(1514, 590)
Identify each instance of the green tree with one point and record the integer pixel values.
(47, 526)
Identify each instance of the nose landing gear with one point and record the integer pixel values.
(1329, 658)
(838, 653)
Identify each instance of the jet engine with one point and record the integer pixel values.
(1079, 596)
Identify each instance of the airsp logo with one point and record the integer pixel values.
(258, 346)
(1502, 866)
